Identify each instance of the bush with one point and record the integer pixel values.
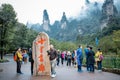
(111, 61)
(3, 60)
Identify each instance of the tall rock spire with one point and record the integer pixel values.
(108, 9)
(87, 1)
(63, 21)
(46, 21)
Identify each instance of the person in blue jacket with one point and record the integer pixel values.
(79, 58)
(86, 50)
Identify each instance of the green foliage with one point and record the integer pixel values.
(7, 23)
(30, 36)
(116, 39)
(55, 43)
(7, 13)
(19, 39)
(111, 61)
(116, 36)
(111, 43)
(107, 44)
(63, 45)
(86, 39)
(68, 46)
(12, 33)
(110, 36)
(113, 24)
(3, 60)
(23, 37)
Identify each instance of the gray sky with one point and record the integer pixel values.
(32, 10)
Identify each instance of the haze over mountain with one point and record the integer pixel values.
(93, 18)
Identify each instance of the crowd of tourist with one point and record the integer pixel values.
(60, 58)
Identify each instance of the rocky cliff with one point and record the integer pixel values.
(96, 18)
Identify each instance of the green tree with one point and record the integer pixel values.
(68, 46)
(116, 39)
(107, 45)
(30, 37)
(63, 45)
(55, 43)
(22, 37)
(19, 39)
(113, 24)
(7, 22)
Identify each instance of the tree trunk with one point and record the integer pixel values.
(1, 54)
(1, 43)
(1, 51)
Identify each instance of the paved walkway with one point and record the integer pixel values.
(8, 72)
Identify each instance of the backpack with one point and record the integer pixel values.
(101, 57)
(15, 57)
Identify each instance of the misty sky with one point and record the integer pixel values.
(32, 10)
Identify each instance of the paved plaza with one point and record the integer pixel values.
(8, 72)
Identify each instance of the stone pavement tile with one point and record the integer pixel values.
(40, 78)
(70, 73)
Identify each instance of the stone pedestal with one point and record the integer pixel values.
(40, 55)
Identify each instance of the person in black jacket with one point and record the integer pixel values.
(91, 59)
(31, 60)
